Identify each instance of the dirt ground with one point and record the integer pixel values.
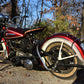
(19, 75)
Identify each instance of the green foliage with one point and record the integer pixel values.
(61, 25)
(58, 25)
(74, 31)
(46, 32)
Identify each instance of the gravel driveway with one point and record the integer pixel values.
(19, 75)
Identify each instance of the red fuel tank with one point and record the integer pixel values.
(12, 33)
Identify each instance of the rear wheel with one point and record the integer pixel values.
(52, 61)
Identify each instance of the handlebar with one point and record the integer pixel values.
(18, 17)
(4, 19)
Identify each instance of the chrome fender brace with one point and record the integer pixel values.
(43, 62)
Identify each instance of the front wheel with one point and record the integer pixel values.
(53, 46)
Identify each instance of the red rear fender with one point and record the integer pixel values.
(70, 38)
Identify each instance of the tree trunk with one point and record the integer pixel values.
(41, 11)
(14, 12)
(82, 29)
(55, 5)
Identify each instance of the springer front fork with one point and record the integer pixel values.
(4, 48)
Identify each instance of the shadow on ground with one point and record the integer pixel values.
(80, 77)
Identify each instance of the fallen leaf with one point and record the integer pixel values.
(58, 80)
(26, 75)
(1, 76)
(41, 82)
(52, 75)
(9, 72)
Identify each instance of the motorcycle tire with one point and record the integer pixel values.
(53, 45)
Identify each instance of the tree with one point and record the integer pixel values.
(13, 11)
(41, 10)
(6, 8)
(58, 24)
(10, 8)
(82, 29)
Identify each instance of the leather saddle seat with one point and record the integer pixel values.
(32, 30)
(24, 31)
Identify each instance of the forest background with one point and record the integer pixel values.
(55, 15)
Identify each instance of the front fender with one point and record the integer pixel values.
(70, 38)
(5, 47)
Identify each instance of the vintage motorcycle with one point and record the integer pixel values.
(58, 54)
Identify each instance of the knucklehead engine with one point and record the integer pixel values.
(21, 47)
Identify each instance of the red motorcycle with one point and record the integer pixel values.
(58, 54)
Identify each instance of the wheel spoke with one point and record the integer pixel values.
(60, 52)
(67, 57)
